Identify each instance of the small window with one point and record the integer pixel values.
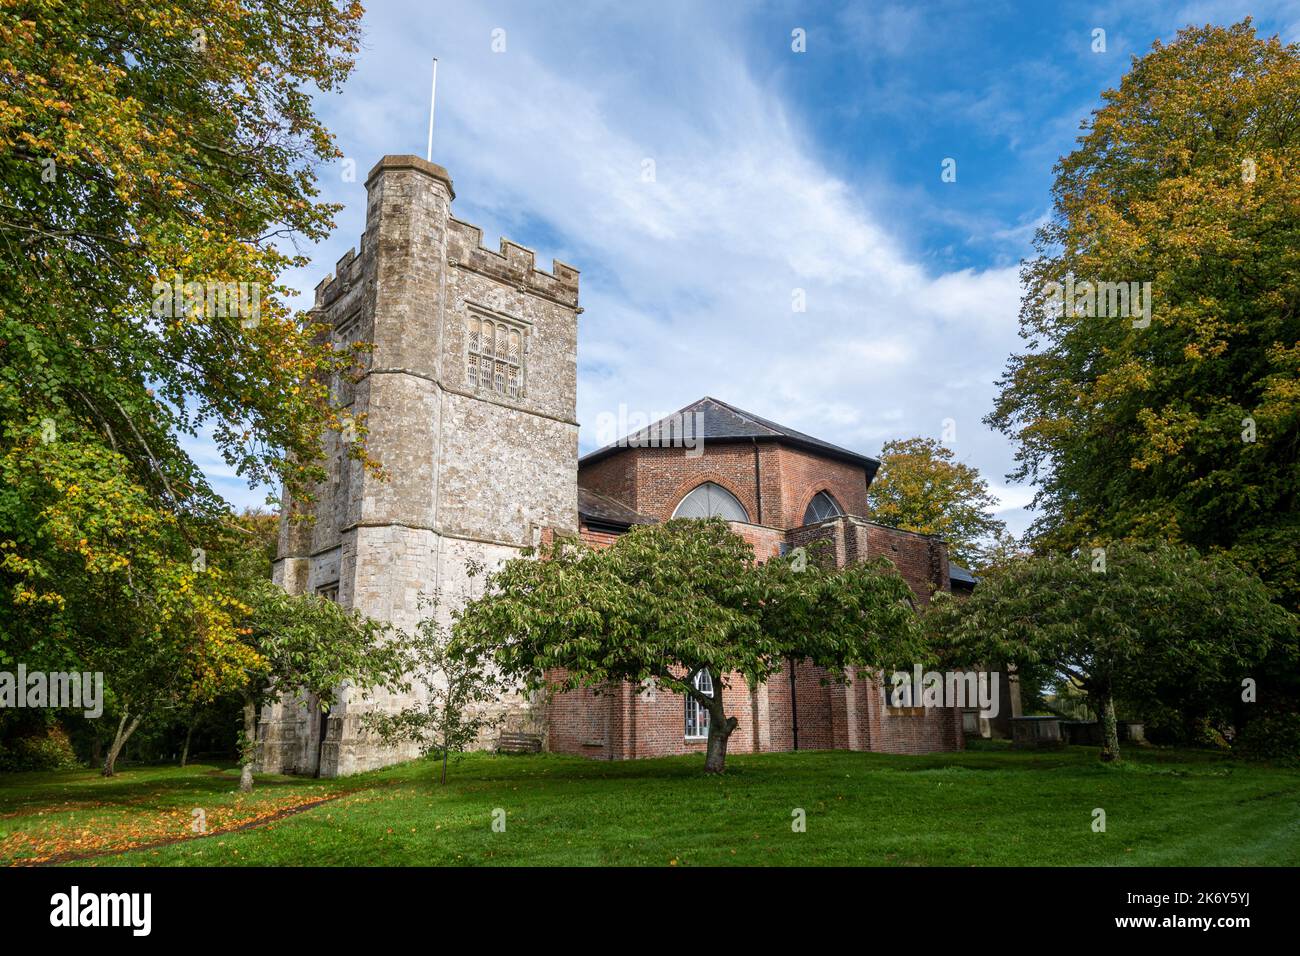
(710, 500)
(329, 592)
(822, 506)
(697, 718)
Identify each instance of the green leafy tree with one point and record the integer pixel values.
(308, 646)
(462, 692)
(1158, 622)
(922, 488)
(1183, 424)
(145, 148)
(668, 601)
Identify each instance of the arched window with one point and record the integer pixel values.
(822, 506)
(697, 718)
(709, 500)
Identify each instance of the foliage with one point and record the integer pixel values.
(143, 146)
(1155, 622)
(50, 749)
(1274, 736)
(461, 693)
(1186, 428)
(309, 647)
(669, 600)
(922, 488)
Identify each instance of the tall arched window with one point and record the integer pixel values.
(822, 506)
(709, 500)
(697, 718)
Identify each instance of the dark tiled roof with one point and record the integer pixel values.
(960, 575)
(719, 421)
(597, 509)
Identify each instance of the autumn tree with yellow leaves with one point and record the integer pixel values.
(922, 487)
(1184, 424)
(157, 168)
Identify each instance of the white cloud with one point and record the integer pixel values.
(687, 280)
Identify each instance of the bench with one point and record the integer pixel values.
(509, 743)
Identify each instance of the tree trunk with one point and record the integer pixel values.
(249, 755)
(720, 728)
(1109, 729)
(185, 751)
(124, 731)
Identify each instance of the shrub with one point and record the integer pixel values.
(49, 749)
(1273, 736)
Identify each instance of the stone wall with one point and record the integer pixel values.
(471, 473)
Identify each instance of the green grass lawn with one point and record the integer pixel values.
(988, 806)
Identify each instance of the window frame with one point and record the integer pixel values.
(697, 714)
(501, 360)
(710, 484)
(839, 509)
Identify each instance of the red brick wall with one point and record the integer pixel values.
(625, 721)
(614, 476)
(922, 560)
(597, 539)
(579, 721)
(804, 473)
(655, 480)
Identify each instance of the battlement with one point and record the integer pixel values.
(514, 263)
(347, 271)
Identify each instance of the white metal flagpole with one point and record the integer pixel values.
(433, 97)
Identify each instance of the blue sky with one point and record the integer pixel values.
(774, 171)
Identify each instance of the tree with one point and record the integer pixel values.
(461, 692)
(1131, 621)
(154, 162)
(666, 602)
(1184, 423)
(922, 488)
(310, 646)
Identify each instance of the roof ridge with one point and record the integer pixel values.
(725, 422)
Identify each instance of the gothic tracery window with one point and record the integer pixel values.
(822, 506)
(495, 357)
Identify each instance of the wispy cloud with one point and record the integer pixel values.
(761, 194)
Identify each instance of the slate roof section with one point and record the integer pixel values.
(960, 575)
(720, 422)
(601, 511)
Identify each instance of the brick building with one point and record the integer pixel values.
(780, 489)
(469, 394)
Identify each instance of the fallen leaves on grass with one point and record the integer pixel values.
(85, 836)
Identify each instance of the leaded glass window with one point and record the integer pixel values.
(494, 359)
(822, 506)
(711, 500)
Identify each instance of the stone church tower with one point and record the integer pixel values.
(469, 396)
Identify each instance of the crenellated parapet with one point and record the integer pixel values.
(348, 273)
(513, 264)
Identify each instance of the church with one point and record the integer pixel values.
(469, 395)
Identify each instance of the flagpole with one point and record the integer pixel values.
(433, 94)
